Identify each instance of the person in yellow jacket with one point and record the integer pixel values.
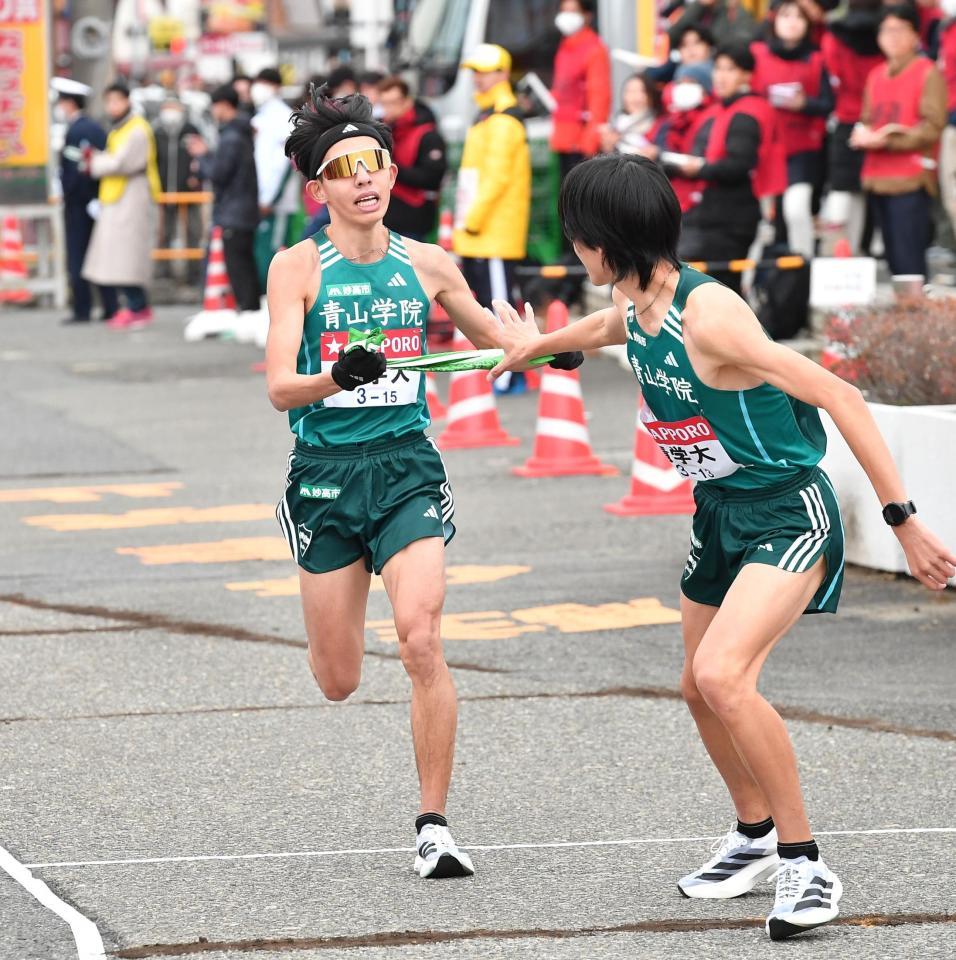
(120, 252)
(493, 196)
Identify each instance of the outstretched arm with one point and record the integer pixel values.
(722, 328)
(523, 341)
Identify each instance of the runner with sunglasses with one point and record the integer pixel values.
(739, 414)
(366, 490)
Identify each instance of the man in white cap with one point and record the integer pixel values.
(79, 191)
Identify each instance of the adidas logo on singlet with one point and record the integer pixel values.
(671, 360)
(397, 281)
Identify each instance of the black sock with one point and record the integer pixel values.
(436, 818)
(790, 851)
(755, 830)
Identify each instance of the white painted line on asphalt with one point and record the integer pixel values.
(373, 851)
(89, 943)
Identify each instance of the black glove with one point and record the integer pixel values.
(567, 361)
(357, 367)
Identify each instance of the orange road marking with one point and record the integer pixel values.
(567, 617)
(217, 551)
(457, 576)
(89, 494)
(159, 517)
(580, 618)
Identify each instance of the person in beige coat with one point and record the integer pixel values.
(120, 252)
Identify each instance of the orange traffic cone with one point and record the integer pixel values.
(218, 292)
(656, 487)
(218, 312)
(13, 266)
(562, 446)
(472, 415)
(446, 229)
(436, 409)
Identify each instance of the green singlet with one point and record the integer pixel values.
(361, 296)
(733, 439)
(761, 498)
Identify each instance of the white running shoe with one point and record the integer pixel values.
(808, 896)
(738, 865)
(439, 856)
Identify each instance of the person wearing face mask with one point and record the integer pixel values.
(739, 160)
(904, 112)
(790, 72)
(79, 191)
(581, 86)
(120, 253)
(688, 100)
(279, 194)
(172, 131)
(947, 154)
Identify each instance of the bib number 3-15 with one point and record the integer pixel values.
(396, 388)
(691, 446)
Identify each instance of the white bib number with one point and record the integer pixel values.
(691, 446)
(395, 389)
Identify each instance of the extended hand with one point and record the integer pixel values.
(357, 367)
(928, 559)
(516, 337)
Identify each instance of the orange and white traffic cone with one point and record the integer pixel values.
(472, 414)
(436, 409)
(13, 265)
(656, 487)
(446, 229)
(562, 446)
(218, 312)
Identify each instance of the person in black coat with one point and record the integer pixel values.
(231, 169)
(172, 131)
(79, 191)
(420, 152)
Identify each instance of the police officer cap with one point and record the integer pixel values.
(70, 88)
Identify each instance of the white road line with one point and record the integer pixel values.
(89, 943)
(374, 851)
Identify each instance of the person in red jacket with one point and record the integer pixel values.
(850, 52)
(789, 71)
(419, 151)
(947, 153)
(904, 112)
(739, 160)
(581, 86)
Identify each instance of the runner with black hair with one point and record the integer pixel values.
(366, 489)
(739, 414)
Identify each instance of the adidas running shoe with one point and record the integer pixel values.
(738, 865)
(808, 896)
(439, 856)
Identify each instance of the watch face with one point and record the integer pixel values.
(894, 514)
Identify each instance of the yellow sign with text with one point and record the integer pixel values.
(24, 119)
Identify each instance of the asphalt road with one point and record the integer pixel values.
(169, 770)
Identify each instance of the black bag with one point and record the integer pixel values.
(781, 298)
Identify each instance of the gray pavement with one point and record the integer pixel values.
(163, 711)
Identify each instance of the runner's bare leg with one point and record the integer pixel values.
(415, 581)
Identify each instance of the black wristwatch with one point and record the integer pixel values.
(896, 513)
